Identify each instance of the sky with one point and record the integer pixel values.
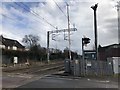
(23, 17)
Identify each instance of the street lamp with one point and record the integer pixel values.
(118, 11)
(95, 28)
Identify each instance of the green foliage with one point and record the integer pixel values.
(38, 53)
(58, 55)
(74, 55)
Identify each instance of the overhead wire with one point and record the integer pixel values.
(12, 19)
(32, 18)
(35, 14)
(69, 20)
(62, 10)
(8, 17)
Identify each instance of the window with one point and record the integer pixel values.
(14, 48)
(8, 47)
(15, 60)
(115, 46)
(93, 56)
(2, 46)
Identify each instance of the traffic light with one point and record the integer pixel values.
(85, 40)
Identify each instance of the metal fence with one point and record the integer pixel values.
(91, 67)
(98, 68)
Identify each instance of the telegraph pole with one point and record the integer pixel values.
(69, 41)
(118, 11)
(63, 30)
(95, 28)
(48, 51)
(48, 39)
(83, 62)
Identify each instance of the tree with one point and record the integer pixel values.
(66, 52)
(35, 48)
(74, 55)
(30, 40)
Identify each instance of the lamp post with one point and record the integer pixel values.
(95, 28)
(95, 31)
(118, 11)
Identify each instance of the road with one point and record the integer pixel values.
(20, 77)
(51, 77)
(56, 81)
(53, 81)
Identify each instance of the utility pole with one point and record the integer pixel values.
(48, 39)
(48, 51)
(63, 30)
(95, 29)
(118, 11)
(69, 41)
(83, 62)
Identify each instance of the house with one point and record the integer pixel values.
(10, 44)
(108, 51)
(111, 54)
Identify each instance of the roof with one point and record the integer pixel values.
(100, 48)
(89, 51)
(111, 45)
(10, 42)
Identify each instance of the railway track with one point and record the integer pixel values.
(49, 68)
(15, 78)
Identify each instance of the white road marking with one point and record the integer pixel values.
(11, 75)
(88, 79)
(65, 78)
(20, 75)
(104, 81)
(46, 75)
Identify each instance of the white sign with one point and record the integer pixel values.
(15, 60)
(76, 61)
(89, 64)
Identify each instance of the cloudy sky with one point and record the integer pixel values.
(20, 17)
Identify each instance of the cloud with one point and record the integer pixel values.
(80, 13)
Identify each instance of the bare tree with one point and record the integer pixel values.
(30, 40)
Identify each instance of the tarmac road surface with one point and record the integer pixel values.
(53, 81)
